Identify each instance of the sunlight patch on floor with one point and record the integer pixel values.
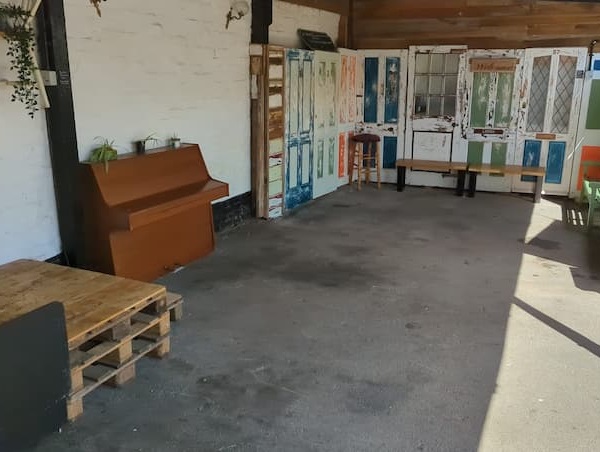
(547, 396)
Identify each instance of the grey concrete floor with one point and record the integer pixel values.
(375, 321)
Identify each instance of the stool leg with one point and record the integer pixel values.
(351, 160)
(369, 164)
(378, 163)
(360, 166)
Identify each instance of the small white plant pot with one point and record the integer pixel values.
(175, 143)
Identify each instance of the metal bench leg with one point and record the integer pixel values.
(472, 184)
(537, 196)
(460, 183)
(401, 178)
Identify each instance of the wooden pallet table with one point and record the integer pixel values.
(111, 322)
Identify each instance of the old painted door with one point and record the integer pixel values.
(384, 83)
(299, 126)
(347, 109)
(551, 96)
(433, 110)
(326, 75)
(490, 119)
(588, 135)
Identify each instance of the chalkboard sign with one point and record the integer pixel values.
(316, 40)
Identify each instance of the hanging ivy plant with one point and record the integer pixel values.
(21, 47)
(96, 4)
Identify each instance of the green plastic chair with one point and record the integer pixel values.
(590, 191)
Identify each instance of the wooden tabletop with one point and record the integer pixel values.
(90, 299)
(431, 165)
(507, 169)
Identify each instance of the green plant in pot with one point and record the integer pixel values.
(15, 28)
(142, 145)
(175, 141)
(104, 152)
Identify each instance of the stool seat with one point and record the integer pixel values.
(367, 138)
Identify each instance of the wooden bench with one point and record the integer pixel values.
(146, 215)
(484, 168)
(590, 191)
(433, 166)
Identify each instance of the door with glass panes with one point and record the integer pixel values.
(552, 85)
(490, 121)
(384, 91)
(433, 110)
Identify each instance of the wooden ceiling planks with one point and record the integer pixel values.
(391, 24)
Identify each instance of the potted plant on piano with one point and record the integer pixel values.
(142, 145)
(175, 141)
(104, 152)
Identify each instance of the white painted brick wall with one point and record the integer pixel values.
(146, 66)
(164, 67)
(287, 18)
(28, 223)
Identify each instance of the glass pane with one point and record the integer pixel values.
(307, 110)
(293, 166)
(480, 98)
(565, 82)
(435, 106)
(452, 60)
(538, 94)
(504, 96)
(422, 63)
(421, 84)
(420, 105)
(320, 158)
(294, 90)
(306, 163)
(331, 156)
(435, 84)
(450, 84)
(449, 106)
(437, 63)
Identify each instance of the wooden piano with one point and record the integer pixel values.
(145, 215)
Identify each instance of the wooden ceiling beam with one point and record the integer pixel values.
(341, 7)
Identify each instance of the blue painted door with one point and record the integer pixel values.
(552, 86)
(299, 127)
(384, 96)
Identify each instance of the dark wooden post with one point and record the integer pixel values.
(262, 17)
(60, 120)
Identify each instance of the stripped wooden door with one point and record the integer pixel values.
(491, 97)
(588, 135)
(384, 82)
(299, 126)
(434, 110)
(326, 79)
(550, 101)
(347, 109)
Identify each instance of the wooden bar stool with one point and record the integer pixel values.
(366, 153)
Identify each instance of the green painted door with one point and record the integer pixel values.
(490, 119)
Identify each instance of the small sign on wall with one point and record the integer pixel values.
(493, 64)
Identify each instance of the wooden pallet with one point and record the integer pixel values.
(111, 322)
(110, 357)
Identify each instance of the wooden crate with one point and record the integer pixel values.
(111, 322)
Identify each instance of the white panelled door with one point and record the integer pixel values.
(325, 169)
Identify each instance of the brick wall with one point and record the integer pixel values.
(28, 223)
(287, 18)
